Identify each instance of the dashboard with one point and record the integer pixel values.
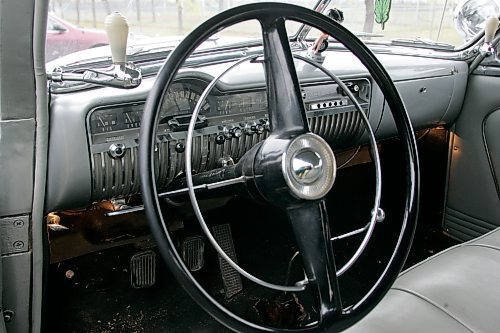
(95, 132)
(228, 125)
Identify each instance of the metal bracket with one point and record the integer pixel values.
(124, 76)
(14, 233)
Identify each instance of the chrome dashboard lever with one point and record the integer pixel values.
(124, 76)
(490, 28)
(121, 74)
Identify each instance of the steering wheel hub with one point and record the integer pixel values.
(309, 167)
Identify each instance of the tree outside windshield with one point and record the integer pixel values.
(78, 24)
(425, 19)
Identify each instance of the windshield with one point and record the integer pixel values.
(383, 20)
(78, 25)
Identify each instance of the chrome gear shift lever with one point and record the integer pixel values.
(490, 28)
(122, 74)
(116, 26)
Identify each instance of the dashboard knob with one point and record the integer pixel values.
(267, 125)
(236, 132)
(249, 128)
(116, 150)
(226, 161)
(259, 128)
(220, 139)
(226, 132)
(179, 147)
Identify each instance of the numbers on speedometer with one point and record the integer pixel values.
(233, 104)
(181, 99)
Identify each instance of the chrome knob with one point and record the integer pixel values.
(259, 128)
(307, 166)
(116, 150)
(249, 128)
(236, 132)
(267, 125)
(226, 132)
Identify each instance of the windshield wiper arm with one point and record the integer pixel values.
(422, 43)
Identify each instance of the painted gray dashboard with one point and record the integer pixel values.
(432, 90)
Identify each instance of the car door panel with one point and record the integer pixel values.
(473, 206)
(491, 139)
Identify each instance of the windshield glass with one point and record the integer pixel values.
(79, 25)
(385, 20)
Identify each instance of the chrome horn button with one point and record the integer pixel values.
(309, 167)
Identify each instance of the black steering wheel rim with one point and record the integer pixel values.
(147, 143)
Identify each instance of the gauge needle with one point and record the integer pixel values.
(177, 104)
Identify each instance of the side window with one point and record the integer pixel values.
(50, 25)
(54, 25)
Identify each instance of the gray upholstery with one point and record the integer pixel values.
(457, 290)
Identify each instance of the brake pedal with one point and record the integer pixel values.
(193, 252)
(230, 277)
(143, 269)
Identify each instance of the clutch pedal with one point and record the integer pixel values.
(230, 277)
(143, 269)
(193, 252)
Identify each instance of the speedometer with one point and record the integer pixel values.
(179, 104)
(233, 104)
(181, 99)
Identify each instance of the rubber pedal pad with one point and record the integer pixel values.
(143, 269)
(193, 252)
(231, 279)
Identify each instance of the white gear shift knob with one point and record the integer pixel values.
(490, 27)
(117, 29)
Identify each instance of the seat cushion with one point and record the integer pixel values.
(457, 290)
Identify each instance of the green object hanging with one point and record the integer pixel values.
(382, 10)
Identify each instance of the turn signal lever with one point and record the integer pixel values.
(121, 74)
(490, 28)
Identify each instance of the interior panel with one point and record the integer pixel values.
(491, 142)
(473, 205)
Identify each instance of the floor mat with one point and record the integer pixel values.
(93, 294)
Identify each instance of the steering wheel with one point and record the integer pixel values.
(292, 169)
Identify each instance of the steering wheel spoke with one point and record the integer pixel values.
(286, 108)
(312, 233)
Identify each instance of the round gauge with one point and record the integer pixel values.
(103, 121)
(181, 100)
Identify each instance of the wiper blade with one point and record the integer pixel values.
(423, 43)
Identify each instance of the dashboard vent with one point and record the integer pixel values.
(340, 129)
(119, 177)
(114, 178)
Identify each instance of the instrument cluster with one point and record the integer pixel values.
(229, 124)
(177, 108)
